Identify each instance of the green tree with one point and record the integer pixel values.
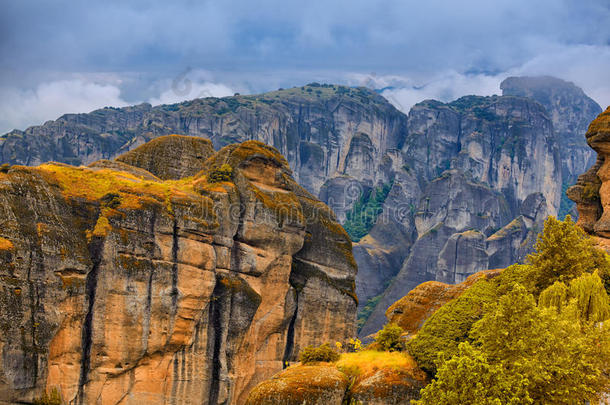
(591, 297)
(389, 338)
(323, 352)
(470, 378)
(450, 325)
(555, 296)
(562, 360)
(563, 251)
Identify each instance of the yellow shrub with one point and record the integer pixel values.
(368, 361)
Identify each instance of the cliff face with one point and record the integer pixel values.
(120, 287)
(571, 111)
(592, 191)
(323, 131)
(488, 172)
(447, 190)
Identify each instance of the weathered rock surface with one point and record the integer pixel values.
(182, 157)
(592, 191)
(484, 165)
(333, 383)
(571, 111)
(411, 311)
(118, 287)
(341, 143)
(308, 384)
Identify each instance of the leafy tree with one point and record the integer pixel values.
(521, 354)
(563, 252)
(470, 378)
(591, 298)
(450, 325)
(555, 296)
(562, 360)
(389, 338)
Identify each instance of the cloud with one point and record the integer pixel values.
(585, 65)
(22, 108)
(385, 35)
(432, 49)
(189, 85)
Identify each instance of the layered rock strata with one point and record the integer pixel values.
(120, 287)
(592, 191)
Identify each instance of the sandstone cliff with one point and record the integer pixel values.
(120, 287)
(592, 191)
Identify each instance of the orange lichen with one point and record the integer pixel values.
(133, 192)
(6, 244)
(300, 384)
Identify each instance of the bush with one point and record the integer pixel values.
(451, 324)
(524, 354)
(5, 168)
(225, 173)
(322, 353)
(389, 339)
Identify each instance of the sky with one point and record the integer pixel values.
(75, 56)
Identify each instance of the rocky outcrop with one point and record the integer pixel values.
(182, 157)
(474, 164)
(480, 163)
(337, 383)
(119, 287)
(308, 384)
(324, 131)
(592, 191)
(411, 311)
(571, 111)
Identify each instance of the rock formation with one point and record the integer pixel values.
(592, 191)
(347, 383)
(117, 286)
(571, 111)
(328, 384)
(467, 182)
(489, 173)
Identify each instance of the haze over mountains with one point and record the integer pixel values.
(438, 194)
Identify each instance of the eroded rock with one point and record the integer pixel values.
(119, 287)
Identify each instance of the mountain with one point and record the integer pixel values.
(188, 283)
(488, 171)
(438, 194)
(571, 111)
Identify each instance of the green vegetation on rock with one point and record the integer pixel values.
(498, 343)
(324, 353)
(389, 339)
(361, 218)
